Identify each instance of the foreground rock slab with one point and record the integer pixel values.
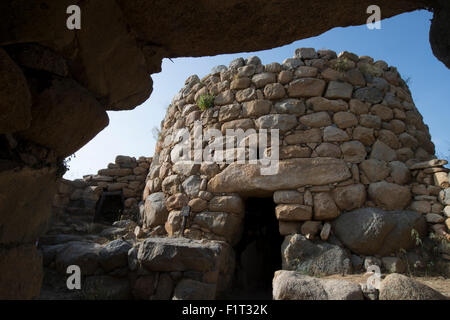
(291, 285)
(314, 258)
(178, 254)
(399, 287)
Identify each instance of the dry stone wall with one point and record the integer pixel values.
(78, 198)
(350, 137)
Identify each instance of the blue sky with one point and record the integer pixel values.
(401, 42)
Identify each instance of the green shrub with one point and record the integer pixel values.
(343, 64)
(205, 101)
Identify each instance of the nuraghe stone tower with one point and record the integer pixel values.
(350, 137)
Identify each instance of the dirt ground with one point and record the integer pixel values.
(440, 284)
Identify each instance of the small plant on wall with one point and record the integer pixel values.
(205, 101)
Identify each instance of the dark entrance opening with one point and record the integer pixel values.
(258, 254)
(109, 207)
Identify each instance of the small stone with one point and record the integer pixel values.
(306, 53)
(408, 141)
(316, 120)
(198, 205)
(345, 119)
(209, 169)
(437, 208)
(389, 138)
(369, 94)
(292, 106)
(383, 152)
(382, 193)
(305, 72)
(192, 185)
(358, 107)
(339, 90)
(236, 63)
(304, 136)
(325, 232)
(375, 170)
(254, 60)
(288, 197)
(350, 197)
(370, 121)
(274, 91)
(285, 76)
(286, 228)
(289, 152)
(447, 211)
(353, 151)
(173, 223)
(229, 112)
(308, 198)
(224, 98)
(256, 108)
(333, 134)
(246, 95)
(348, 55)
(327, 149)
(399, 172)
(283, 122)
(321, 104)
(441, 179)
(365, 135)
(292, 63)
(261, 79)
(421, 206)
(155, 210)
(240, 83)
(229, 204)
(357, 262)
(310, 228)
(205, 195)
(385, 113)
(306, 87)
(273, 67)
(293, 212)
(393, 264)
(434, 218)
(246, 71)
(324, 207)
(428, 164)
(176, 201)
(186, 168)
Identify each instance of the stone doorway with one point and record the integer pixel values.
(258, 253)
(109, 207)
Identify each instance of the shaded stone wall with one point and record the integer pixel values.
(77, 199)
(127, 268)
(350, 137)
